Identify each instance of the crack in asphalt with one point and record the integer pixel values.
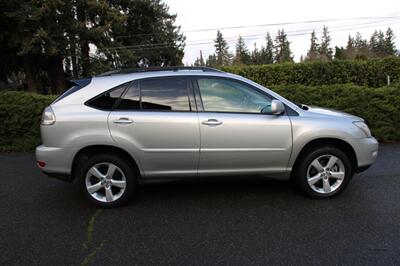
(90, 256)
(89, 238)
(90, 229)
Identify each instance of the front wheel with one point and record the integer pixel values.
(107, 180)
(323, 173)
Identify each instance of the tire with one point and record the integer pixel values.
(323, 172)
(109, 178)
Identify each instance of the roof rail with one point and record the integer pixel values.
(149, 69)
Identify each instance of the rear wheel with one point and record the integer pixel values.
(323, 173)
(107, 180)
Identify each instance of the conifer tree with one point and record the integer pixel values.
(268, 53)
(390, 47)
(339, 53)
(377, 44)
(361, 47)
(199, 60)
(325, 51)
(313, 52)
(282, 48)
(212, 61)
(222, 50)
(255, 57)
(242, 55)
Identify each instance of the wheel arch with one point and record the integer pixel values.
(85, 152)
(334, 142)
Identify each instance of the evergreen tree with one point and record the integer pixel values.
(377, 44)
(313, 52)
(242, 55)
(361, 47)
(199, 60)
(51, 40)
(390, 47)
(222, 50)
(282, 48)
(255, 57)
(212, 61)
(350, 51)
(339, 53)
(325, 51)
(381, 44)
(149, 28)
(267, 53)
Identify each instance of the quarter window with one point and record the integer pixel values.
(221, 95)
(107, 100)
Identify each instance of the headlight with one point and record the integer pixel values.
(364, 128)
(48, 117)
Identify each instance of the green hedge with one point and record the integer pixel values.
(379, 106)
(20, 111)
(371, 73)
(20, 114)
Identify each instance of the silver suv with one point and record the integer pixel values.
(116, 129)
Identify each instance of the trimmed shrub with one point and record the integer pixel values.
(371, 73)
(380, 107)
(20, 114)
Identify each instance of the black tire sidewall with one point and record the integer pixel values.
(301, 171)
(84, 167)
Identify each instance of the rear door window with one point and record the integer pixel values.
(169, 94)
(159, 94)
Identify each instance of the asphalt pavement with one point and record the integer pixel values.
(238, 222)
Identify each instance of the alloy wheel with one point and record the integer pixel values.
(325, 174)
(105, 182)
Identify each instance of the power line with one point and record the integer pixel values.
(267, 25)
(293, 22)
(246, 37)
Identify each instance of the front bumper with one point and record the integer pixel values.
(54, 161)
(366, 151)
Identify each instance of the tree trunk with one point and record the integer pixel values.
(75, 70)
(57, 76)
(85, 58)
(30, 74)
(83, 43)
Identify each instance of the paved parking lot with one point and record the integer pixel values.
(48, 222)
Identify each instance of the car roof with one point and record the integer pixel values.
(158, 69)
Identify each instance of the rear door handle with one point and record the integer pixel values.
(123, 121)
(212, 122)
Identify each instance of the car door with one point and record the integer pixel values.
(154, 120)
(237, 131)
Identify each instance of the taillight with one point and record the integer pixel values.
(48, 117)
(41, 164)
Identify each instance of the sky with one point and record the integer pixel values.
(344, 19)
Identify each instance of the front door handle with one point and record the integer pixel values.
(212, 122)
(123, 121)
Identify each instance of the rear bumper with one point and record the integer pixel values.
(63, 177)
(54, 161)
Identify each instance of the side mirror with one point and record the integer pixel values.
(277, 107)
